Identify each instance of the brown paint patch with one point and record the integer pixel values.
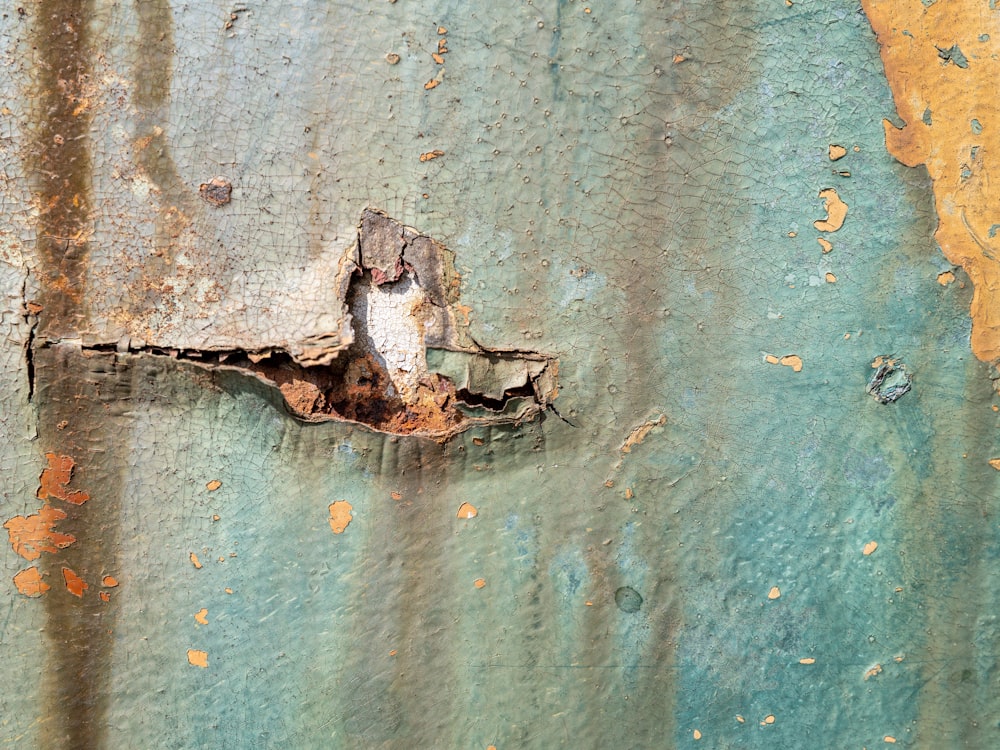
(836, 211)
(201, 616)
(479, 583)
(467, 510)
(109, 581)
(32, 535)
(197, 658)
(933, 63)
(945, 278)
(194, 560)
(29, 582)
(837, 152)
(340, 516)
(74, 584)
(774, 593)
(213, 485)
(869, 548)
(638, 434)
(55, 477)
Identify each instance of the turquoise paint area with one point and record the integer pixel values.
(619, 187)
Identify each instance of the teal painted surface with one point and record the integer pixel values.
(607, 206)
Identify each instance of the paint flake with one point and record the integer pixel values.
(34, 534)
(29, 582)
(340, 516)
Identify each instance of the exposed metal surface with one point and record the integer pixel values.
(719, 538)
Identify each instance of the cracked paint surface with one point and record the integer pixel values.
(629, 190)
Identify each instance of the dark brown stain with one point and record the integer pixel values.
(59, 160)
(81, 402)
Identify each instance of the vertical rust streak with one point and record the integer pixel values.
(59, 159)
(80, 401)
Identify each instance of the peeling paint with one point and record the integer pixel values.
(340, 516)
(29, 582)
(32, 535)
(836, 211)
(197, 658)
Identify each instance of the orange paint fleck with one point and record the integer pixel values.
(869, 548)
(589, 603)
(793, 234)
(396, 495)
(442, 30)
(945, 278)
(807, 660)
(109, 581)
(437, 58)
(774, 593)
(771, 359)
(213, 485)
(629, 494)
(197, 658)
(467, 510)
(995, 463)
(228, 591)
(479, 583)
(837, 152)
(792, 360)
(32, 535)
(830, 278)
(54, 479)
(836, 211)
(430, 155)
(194, 560)
(216, 517)
(696, 734)
(890, 739)
(29, 582)
(769, 719)
(74, 584)
(877, 669)
(638, 434)
(105, 596)
(201, 616)
(825, 244)
(340, 516)
(740, 719)
(393, 652)
(433, 83)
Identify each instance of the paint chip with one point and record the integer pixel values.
(105, 596)
(837, 152)
(696, 734)
(869, 548)
(479, 583)
(876, 670)
(467, 510)
(807, 660)
(29, 582)
(945, 278)
(792, 360)
(825, 244)
(74, 584)
(55, 477)
(194, 560)
(740, 719)
(396, 495)
(430, 155)
(197, 658)
(201, 616)
(34, 534)
(638, 434)
(774, 593)
(109, 581)
(995, 463)
(836, 211)
(213, 485)
(830, 278)
(769, 719)
(890, 739)
(340, 516)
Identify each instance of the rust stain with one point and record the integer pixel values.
(54, 479)
(197, 658)
(467, 510)
(936, 62)
(32, 535)
(836, 211)
(340, 516)
(29, 582)
(201, 616)
(74, 584)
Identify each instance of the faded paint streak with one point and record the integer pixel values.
(959, 141)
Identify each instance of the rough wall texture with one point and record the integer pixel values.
(704, 531)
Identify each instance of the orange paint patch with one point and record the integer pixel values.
(769, 719)
(638, 434)
(774, 593)
(836, 211)
(430, 155)
(213, 485)
(792, 360)
(54, 479)
(945, 278)
(29, 582)
(479, 583)
(433, 83)
(194, 560)
(105, 596)
(807, 660)
(74, 584)
(869, 548)
(740, 719)
(877, 669)
(437, 58)
(837, 152)
(696, 734)
(890, 739)
(32, 535)
(467, 510)
(340, 516)
(228, 591)
(994, 462)
(396, 495)
(201, 616)
(830, 278)
(109, 581)
(825, 244)
(393, 652)
(197, 658)
(771, 359)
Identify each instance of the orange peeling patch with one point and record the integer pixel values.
(877, 669)
(629, 494)
(696, 734)
(769, 719)
(29, 582)
(479, 583)
(771, 359)
(437, 58)
(32, 535)
(194, 560)
(995, 463)
(55, 477)
(228, 590)
(74, 584)
(638, 434)
(201, 616)
(213, 485)
(340, 516)
(467, 510)
(216, 517)
(740, 719)
(945, 278)
(429, 155)
(109, 581)
(198, 658)
(830, 278)
(442, 30)
(869, 548)
(932, 64)
(433, 83)
(837, 152)
(105, 596)
(393, 652)
(774, 593)
(836, 211)
(890, 739)
(825, 244)
(793, 234)
(396, 495)
(807, 660)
